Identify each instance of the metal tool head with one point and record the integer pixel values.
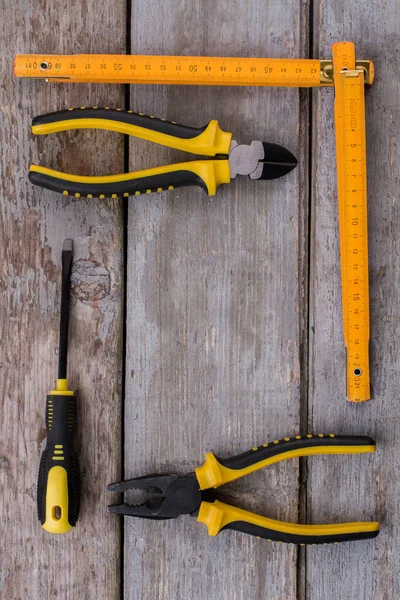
(260, 160)
(67, 245)
(175, 496)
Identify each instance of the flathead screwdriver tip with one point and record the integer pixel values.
(67, 246)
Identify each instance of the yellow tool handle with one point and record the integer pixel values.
(353, 225)
(218, 516)
(217, 471)
(209, 140)
(207, 174)
(59, 484)
(184, 70)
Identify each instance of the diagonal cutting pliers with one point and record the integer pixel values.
(259, 160)
(195, 494)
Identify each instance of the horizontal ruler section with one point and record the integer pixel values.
(183, 70)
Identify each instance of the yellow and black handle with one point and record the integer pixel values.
(209, 140)
(207, 174)
(218, 516)
(217, 471)
(59, 483)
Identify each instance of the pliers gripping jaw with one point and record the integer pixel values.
(260, 160)
(175, 496)
(196, 493)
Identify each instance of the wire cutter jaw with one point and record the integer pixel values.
(260, 160)
(177, 496)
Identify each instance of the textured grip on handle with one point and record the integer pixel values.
(207, 174)
(216, 471)
(311, 444)
(209, 140)
(59, 483)
(219, 516)
(333, 534)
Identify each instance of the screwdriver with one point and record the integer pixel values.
(59, 481)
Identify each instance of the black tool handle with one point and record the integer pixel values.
(216, 471)
(123, 117)
(304, 445)
(219, 516)
(207, 174)
(209, 140)
(59, 483)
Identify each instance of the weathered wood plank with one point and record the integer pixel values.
(34, 223)
(357, 487)
(214, 303)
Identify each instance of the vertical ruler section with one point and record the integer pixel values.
(352, 196)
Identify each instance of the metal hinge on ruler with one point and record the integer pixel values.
(326, 71)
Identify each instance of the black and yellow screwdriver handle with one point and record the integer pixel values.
(59, 483)
(217, 471)
(209, 140)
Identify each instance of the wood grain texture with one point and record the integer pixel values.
(83, 564)
(214, 309)
(358, 487)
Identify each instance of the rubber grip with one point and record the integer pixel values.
(209, 140)
(218, 516)
(59, 482)
(121, 116)
(207, 174)
(217, 471)
(280, 447)
(302, 539)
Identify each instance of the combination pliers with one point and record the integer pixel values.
(195, 495)
(259, 160)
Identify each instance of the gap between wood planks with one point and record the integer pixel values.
(125, 216)
(305, 227)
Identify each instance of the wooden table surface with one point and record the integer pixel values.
(197, 323)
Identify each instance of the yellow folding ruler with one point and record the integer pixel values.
(344, 73)
(352, 196)
(184, 70)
